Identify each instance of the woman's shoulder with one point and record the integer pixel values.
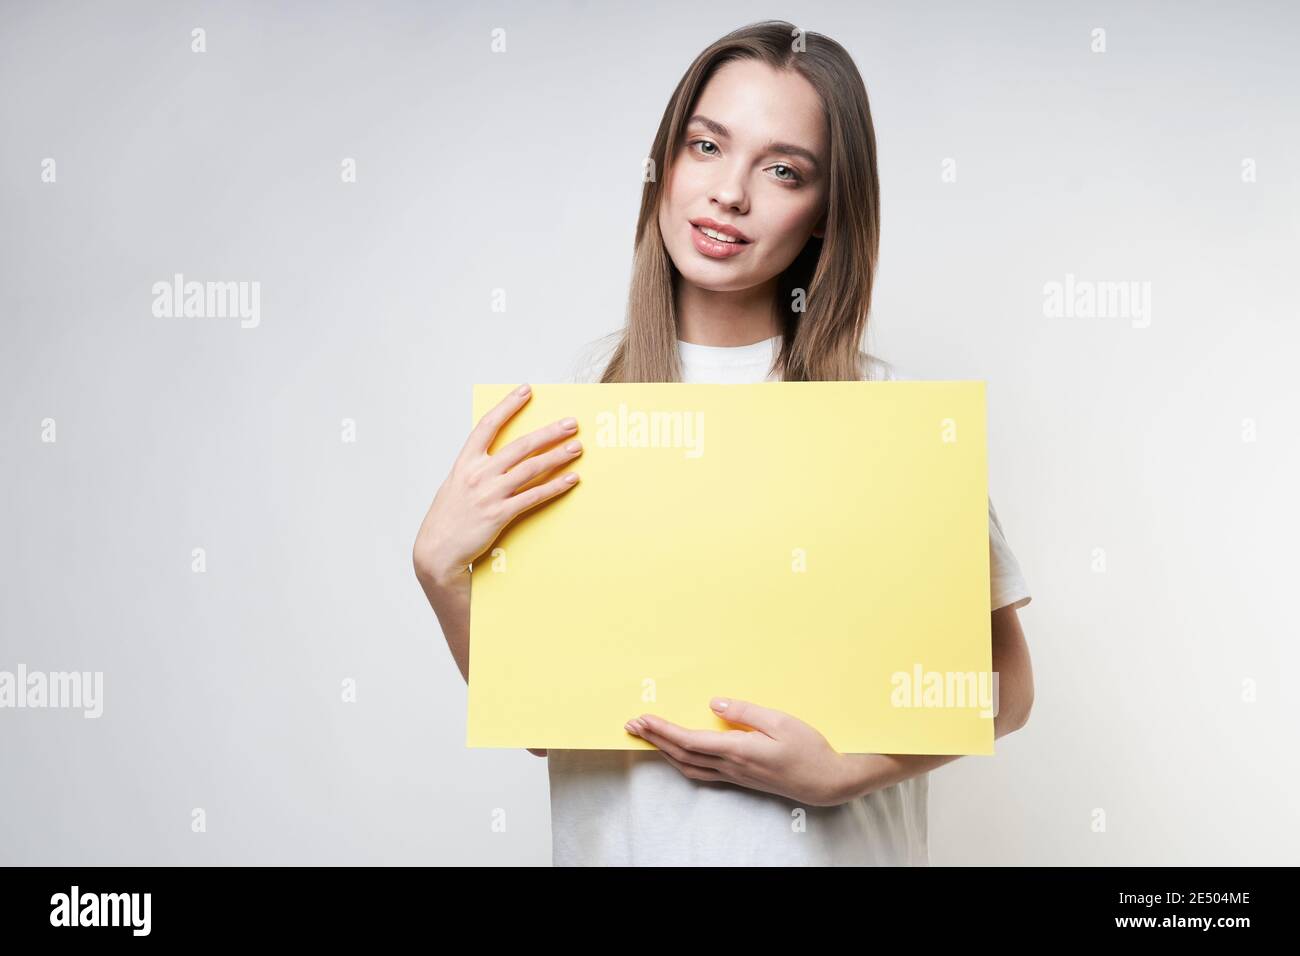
(876, 369)
(594, 355)
(589, 364)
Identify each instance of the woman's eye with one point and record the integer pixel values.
(790, 175)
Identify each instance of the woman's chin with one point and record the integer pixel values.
(711, 284)
(714, 276)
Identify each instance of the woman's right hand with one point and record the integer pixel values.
(485, 492)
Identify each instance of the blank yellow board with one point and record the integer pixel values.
(821, 548)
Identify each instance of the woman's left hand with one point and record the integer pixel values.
(781, 755)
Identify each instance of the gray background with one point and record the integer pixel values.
(521, 171)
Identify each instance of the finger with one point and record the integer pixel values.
(538, 465)
(485, 432)
(516, 451)
(695, 773)
(521, 502)
(715, 743)
(679, 753)
(766, 719)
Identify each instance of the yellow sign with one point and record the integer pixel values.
(821, 548)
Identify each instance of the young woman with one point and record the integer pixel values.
(755, 255)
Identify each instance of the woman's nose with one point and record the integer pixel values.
(730, 193)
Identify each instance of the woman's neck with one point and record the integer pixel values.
(705, 317)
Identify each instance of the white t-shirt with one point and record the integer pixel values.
(633, 808)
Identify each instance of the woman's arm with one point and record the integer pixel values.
(867, 773)
(449, 597)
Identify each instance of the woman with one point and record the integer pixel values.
(754, 261)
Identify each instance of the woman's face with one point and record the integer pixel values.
(754, 158)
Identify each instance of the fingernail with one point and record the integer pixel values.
(718, 704)
(569, 423)
(571, 477)
(523, 390)
(573, 446)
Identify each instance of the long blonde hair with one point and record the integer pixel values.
(821, 343)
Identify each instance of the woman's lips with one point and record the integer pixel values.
(716, 248)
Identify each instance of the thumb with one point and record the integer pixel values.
(751, 715)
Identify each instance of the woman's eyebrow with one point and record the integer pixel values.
(789, 149)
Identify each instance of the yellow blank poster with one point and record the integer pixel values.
(820, 548)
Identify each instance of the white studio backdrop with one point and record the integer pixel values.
(216, 513)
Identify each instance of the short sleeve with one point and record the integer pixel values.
(1006, 583)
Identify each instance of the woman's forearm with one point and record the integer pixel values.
(867, 773)
(449, 596)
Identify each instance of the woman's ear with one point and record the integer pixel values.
(819, 230)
